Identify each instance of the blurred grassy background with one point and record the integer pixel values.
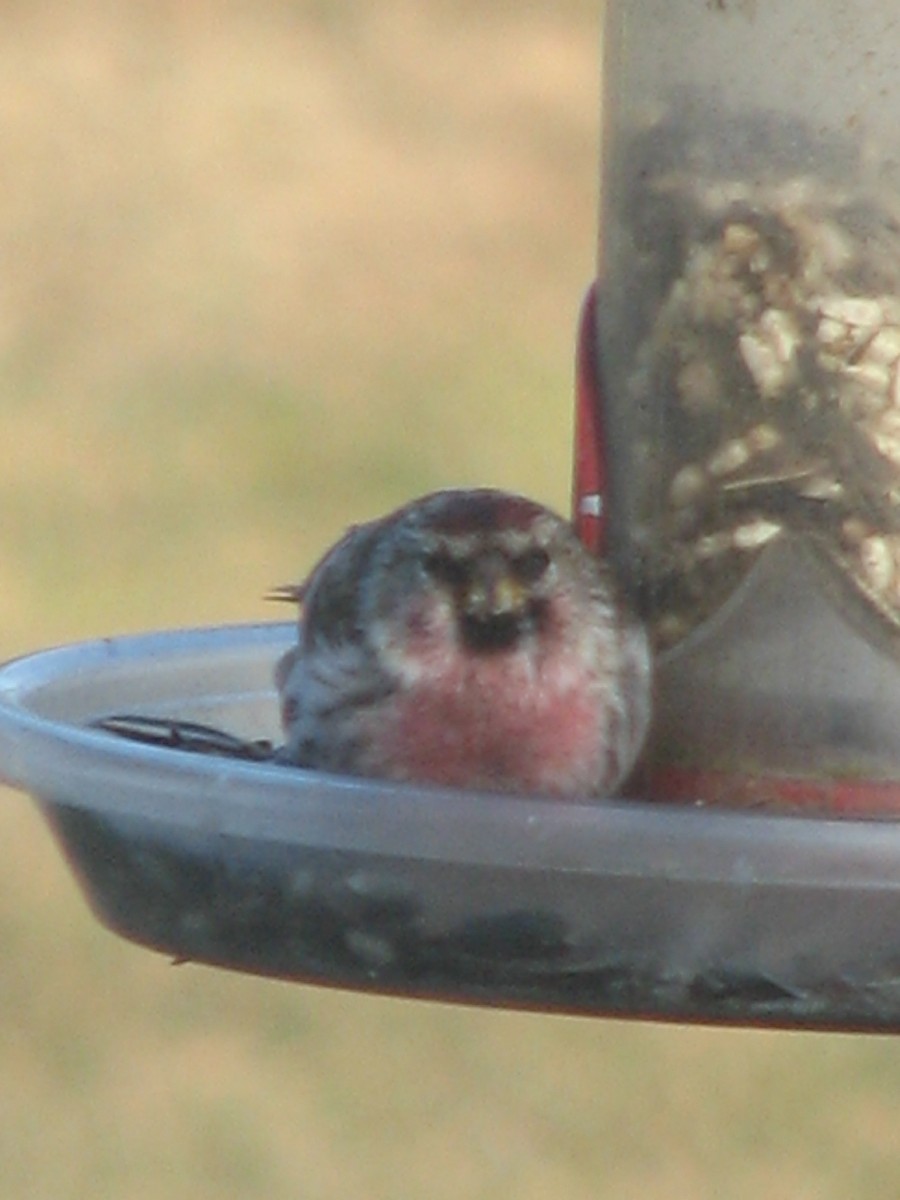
(271, 267)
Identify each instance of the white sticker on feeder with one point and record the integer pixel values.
(591, 505)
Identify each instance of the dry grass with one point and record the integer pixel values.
(274, 258)
(267, 268)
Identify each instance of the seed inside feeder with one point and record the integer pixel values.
(768, 354)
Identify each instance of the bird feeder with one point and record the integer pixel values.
(748, 356)
(736, 409)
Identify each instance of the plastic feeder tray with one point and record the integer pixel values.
(620, 908)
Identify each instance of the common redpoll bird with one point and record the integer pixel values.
(467, 639)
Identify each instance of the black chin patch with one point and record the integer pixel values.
(491, 632)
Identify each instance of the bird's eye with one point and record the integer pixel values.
(531, 565)
(446, 569)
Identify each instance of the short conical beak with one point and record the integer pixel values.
(493, 594)
(494, 607)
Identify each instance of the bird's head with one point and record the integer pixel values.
(477, 571)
